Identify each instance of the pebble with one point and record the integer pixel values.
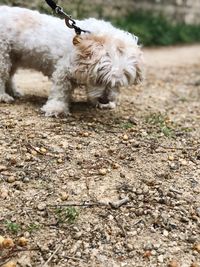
(195, 264)
(153, 252)
(11, 179)
(43, 150)
(171, 157)
(4, 193)
(125, 137)
(173, 263)
(77, 235)
(41, 206)
(79, 146)
(26, 180)
(173, 166)
(197, 247)
(64, 196)
(85, 134)
(160, 258)
(103, 171)
(10, 264)
(183, 162)
(7, 243)
(22, 242)
(165, 233)
(115, 166)
(1, 240)
(129, 247)
(60, 160)
(147, 254)
(34, 153)
(198, 211)
(3, 168)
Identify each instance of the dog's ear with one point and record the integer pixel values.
(139, 69)
(139, 75)
(77, 39)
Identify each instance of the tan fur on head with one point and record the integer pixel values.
(77, 39)
(107, 61)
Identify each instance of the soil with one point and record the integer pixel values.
(105, 188)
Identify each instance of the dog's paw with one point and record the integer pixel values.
(6, 98)
(54, 108)
(17, 94)
(109, 105)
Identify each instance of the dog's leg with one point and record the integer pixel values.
(5, 66)
(60, 95)
(11, 88)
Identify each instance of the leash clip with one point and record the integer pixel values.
(68, 20)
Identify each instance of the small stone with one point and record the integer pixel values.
(79, 146)
(198, 211)
(85, 134)
(173, 263)
(160, 258)
(26, 180)
(41, 206)
(1, 241)
(125, 137)
(129, 247)
(59, 160)
(64, 196)
(7, 243)
(11, 179)
(103, 171)
(22, 242)
(10, 264)
(171, 157)
(183, 162)
(115, 166)
(78, 235)
(197, 247)
(195, 264)
(43, 150)
(165, 233)
(147, 254)
(4, 193)
(173, 166)
(3, 168)
(34, 153)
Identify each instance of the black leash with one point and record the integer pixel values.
(68, 20)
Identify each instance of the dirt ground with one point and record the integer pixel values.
(105, 188)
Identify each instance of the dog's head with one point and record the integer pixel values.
(105, 62)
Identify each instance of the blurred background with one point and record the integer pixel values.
(156, 22)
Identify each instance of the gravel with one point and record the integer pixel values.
(144, 155)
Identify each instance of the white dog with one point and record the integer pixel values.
(103, 60)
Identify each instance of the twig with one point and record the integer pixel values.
(175, 191)
(37, 150)
(13, 252)
(118, 204)
(179, 148)
(113, 205)
(52, 255)
(121, 227)
(85, 204)
(73, 258)
(171, 147)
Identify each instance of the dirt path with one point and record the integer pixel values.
(147, 150)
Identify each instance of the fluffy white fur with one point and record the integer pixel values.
(103, 61)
